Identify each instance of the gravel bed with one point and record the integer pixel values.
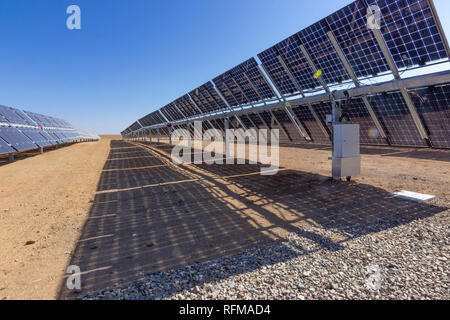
(387, 260)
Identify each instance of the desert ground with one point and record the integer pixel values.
(140, 226)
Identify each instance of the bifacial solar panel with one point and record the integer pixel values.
(310, 124)
(152, 119)
(357, 113)
(349, 27)
(410, 32)
(433, 106)
(207, 98)
(289, 127)
(250, 67)
(322, 110)
(324, 56)
(256, 120)
(36, 136)
(5, 148)
(229, 90)
(394, 114)
(171, 112)
(187, 106)
(247, 122)
(16, 139)
(14, 116)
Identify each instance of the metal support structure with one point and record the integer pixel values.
(198, 109)
(354, 78)
(10, 157)
(158, 134)
(412, 109)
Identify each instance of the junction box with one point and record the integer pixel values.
(346, 151)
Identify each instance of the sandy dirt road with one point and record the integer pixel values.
(45, 199)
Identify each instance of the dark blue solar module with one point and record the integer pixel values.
(358, 113)
(16, 139)
(229, 90)
(321, 50)
(14, 116)
(171, 112)
(186, 105)
(290, 128)
(410, 32)
(349, 27)
(433, 106)
(207, 98)
(246, 121)
(5, 148)
(250, 67)
(322, 110)
(294, 59)
(394, 115)
(310, 124)
(37, 137)
(257, 120)
(151, 119)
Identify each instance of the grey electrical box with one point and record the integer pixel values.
(346, 150)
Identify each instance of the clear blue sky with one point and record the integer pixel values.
(132, 57)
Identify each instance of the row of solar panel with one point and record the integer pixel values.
(432, 105)
(14, 139)
(18, 117)
(409, 30)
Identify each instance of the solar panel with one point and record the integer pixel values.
(394, 114)
(171, 112)
(310, 124)
(256, 120)
(36, 136)
(358, 113)
(433, 106)
(410, 32)
(187, 106)
(321, 50)
(151, 119)
(287, 124)
(207, 98)
(349, 27)
(247, 121)
(229, 90)
(322, 110)
(5, 148)
(16, 139)
(250, 67)
(14, 116)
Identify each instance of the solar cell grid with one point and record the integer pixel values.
(410, 32)
(250, 95)
(35, 136)
(250, 67)
(229, 89)
(349, 26)
(321, 50)
(17, 139)
(394, 114)
(358, 113)
(256, 120)
(246, 121)
(4, 147)
(218, 103)
(13, 115)
(310, 124)
(433, 106)
(269, 58)
(322, 109)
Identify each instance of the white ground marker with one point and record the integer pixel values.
(412, 196)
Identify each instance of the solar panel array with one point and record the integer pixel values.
(25, 130)
(337, 51)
